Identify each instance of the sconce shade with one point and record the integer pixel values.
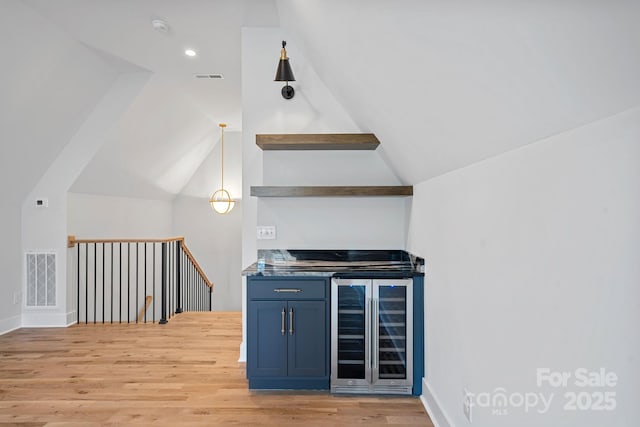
(284, 72)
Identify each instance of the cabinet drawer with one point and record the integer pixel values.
(286, 289)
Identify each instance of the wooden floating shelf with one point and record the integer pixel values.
(318, 141)
(339, 191)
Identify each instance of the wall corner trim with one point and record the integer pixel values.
(10, 324)
(433, 407)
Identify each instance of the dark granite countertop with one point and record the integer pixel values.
(343, 263)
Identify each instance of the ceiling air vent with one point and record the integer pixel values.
(210, 76)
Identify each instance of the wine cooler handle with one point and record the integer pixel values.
(375, 333)
(284, 313)
(367, 326)
(291, 321)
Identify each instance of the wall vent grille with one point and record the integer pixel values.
(210, 76)
(41, 279)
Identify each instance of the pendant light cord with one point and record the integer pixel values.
(222, 159)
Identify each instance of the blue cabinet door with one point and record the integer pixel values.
(307, 335)
(267, 339)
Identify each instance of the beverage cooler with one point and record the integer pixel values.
(372, 336)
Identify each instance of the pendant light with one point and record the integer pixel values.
(221, 200)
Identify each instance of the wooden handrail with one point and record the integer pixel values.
(71, 240)
(186, 250)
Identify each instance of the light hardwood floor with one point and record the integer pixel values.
(183, 373)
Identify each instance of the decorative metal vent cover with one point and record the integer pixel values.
(41, 279)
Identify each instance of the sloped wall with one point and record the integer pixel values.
(532, 262)
(50, 84)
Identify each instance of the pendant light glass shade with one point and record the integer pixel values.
(221, 200)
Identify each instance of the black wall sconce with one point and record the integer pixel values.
(284, 73)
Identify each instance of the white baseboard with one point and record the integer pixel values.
(433, 407)
(71, 318)
(43, 319)
(243, 353)
(10, 324)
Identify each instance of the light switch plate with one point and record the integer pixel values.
(266, 232)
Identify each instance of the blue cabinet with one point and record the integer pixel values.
(267, 355)
(287, 333)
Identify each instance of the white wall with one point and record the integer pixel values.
(303, 222)
(50, 84)
(532, 262)
(334, 222)
(215, 241)
(313, 109)
(108, 217)
(46, 228)
(10, 265)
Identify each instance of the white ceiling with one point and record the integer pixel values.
(172, 126)
(442, 83)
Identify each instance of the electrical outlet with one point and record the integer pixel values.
(42, 203)
(17, 297)
(266, 232)
(467, 404)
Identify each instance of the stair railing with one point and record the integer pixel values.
(121, 280)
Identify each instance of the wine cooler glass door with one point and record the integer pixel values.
(351, 339)
(392, 353)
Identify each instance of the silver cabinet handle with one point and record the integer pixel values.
(282, 324)
(291, 321)
(289, 290)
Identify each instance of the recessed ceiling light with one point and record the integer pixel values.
(190, 52)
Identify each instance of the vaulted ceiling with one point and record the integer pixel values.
(443, 84)
(172, 126)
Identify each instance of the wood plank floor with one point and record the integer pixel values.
(183, 373)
